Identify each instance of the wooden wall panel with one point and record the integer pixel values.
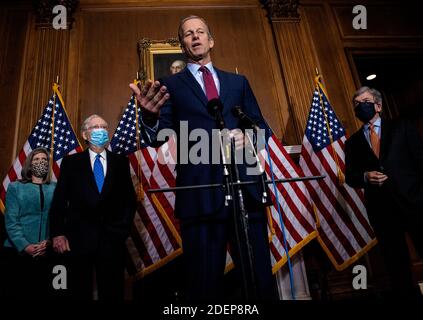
(298, 63)
(384, 20)
(109, 60)
(13, 29)
(46, 58)
(333, 63)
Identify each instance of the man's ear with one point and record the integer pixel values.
(378, 107)
(85, 136)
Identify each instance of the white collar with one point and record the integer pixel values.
(93, 154)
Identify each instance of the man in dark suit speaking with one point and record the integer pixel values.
(206, 223)
(91, 214)
(386, 159)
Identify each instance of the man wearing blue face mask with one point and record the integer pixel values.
(386, 159)
(91, 215)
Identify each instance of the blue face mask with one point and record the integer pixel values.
(99, 137)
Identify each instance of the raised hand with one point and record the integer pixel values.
(151, 97)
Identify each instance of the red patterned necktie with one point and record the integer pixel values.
(210, 86)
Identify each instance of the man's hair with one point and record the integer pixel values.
(183, 20)
(375, 93)
(26, 172)
(84, 126)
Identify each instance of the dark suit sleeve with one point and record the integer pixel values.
(354, 173)
(58, 209)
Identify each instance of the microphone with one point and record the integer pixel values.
(215, 108)
(237, 112)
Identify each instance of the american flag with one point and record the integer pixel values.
(344, 229)
(64, 140)
(154, 238)
(299, 224)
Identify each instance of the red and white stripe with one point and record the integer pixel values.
(152, 240)
(294, 200)
(344, 229)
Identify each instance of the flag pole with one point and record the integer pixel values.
(53, 113)
(140, 189)
(319, 88)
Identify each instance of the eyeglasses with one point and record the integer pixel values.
(98, 126)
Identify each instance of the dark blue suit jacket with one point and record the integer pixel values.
(188, 103)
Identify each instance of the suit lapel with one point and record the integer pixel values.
(190, 81)
(224, 86)
(365, 144)
(109, 175)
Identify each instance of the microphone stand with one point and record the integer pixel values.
(231, 185)
(231, 173)
(242, 219)
(261, 170)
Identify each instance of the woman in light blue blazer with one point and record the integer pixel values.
(26, 220)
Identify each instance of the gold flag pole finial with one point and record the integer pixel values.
(236, 70)
(317, 71)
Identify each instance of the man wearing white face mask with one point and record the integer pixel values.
(91, 214)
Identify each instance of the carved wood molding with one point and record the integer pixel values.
(44, 12)
(282, 10)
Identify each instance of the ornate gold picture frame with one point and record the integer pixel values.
(156, 57)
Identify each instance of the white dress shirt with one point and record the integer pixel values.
(103, 159)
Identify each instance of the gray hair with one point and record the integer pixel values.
(84, 126)
(375, 93)
(181, 23)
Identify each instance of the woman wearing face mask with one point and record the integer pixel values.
(26, 220)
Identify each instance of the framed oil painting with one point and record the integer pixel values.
(160, 58)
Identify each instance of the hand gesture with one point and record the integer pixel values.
(151, 97)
